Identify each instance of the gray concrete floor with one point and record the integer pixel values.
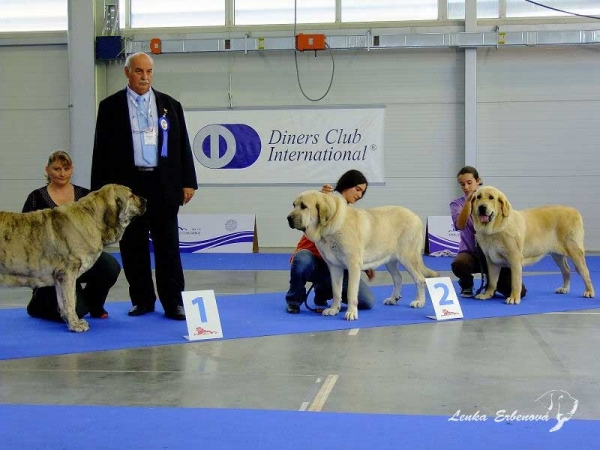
(433, 369)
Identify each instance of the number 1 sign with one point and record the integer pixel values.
(444, 299)
(201, 315)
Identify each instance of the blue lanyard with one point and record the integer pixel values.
(149, 114)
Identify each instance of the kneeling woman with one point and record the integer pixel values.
(100, 277)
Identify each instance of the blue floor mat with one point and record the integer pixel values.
(252, 315)
(33, 427)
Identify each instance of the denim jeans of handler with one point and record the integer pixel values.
(308, 268)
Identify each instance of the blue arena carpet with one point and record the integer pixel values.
(109, 427)
(253, 315)
(281, 261)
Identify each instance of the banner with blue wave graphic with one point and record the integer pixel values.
(442, 237)
(217, 233)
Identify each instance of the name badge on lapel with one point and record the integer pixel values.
(164, 124)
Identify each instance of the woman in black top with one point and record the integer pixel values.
(100, 277)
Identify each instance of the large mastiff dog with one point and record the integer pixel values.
(55, 246)
(511, 238)
(358, 239)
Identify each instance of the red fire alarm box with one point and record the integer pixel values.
(310, 42)
(156, 46)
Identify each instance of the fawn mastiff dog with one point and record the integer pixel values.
(511, 238)
(358, 239)
(55, 246)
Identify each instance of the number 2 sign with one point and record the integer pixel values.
(202, 315)
(444, 299)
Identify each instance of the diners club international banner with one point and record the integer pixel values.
(286, 146)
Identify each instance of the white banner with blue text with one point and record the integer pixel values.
(286, 146)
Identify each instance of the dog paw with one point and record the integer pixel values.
(562, 290)
(588, 294)
(513, 300)
(483, 296)
(351, 314)
(330, 311)
(417, 304)
(391, 301)
(79, 326)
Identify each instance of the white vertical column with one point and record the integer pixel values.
(82, 102)
(471, 87)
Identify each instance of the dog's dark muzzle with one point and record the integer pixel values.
(142, 203)
(292, 223)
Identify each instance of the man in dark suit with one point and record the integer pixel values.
(141, 141)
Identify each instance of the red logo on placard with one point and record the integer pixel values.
(445, 312)
(201, 331)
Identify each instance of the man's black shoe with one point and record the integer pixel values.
(176, 314)
(139, 311)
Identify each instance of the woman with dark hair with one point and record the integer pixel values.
(100, 277)
(470, 258)
(307, 264)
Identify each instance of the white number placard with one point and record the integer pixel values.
(202, 315)
(444, 299)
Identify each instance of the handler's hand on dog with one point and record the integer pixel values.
(370, 274)
(327, 189)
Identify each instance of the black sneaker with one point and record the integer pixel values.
(292, 309)
(467, 292)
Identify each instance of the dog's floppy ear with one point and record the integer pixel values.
(505, 205)
(323, 211)
(112, 207)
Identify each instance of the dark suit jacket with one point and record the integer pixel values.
(112, 160)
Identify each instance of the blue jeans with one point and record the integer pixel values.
(306, 267)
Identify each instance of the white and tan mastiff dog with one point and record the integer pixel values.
(358, 239)
(511, 238)
(53, 247)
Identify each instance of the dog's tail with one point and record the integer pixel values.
(428, 273)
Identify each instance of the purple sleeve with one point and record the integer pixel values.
(456, 207)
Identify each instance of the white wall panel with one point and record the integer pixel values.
(548, 139)
(423, 140)
(34, 117)
(32, 135)
(519, 74)
(34, 78)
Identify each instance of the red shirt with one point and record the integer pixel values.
(306, 244)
